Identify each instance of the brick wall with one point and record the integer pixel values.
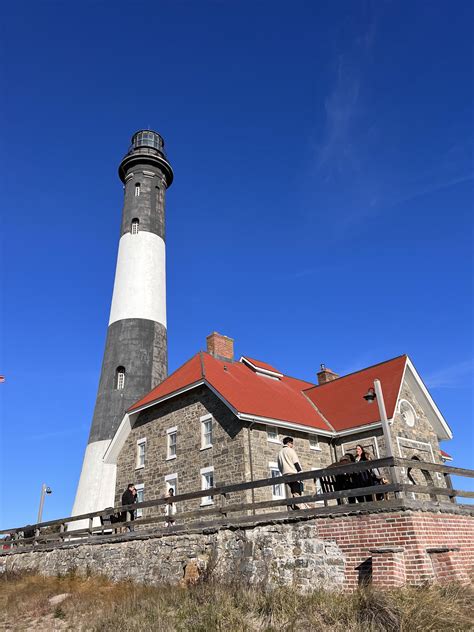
(410, 540)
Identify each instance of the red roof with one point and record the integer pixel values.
(339, 402)
(187, 374)
(342, 401)
(246, 391)
(446, 456)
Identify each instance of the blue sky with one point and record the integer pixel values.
(321, 209)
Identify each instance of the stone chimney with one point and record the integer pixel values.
(326, 375)
(221, 347)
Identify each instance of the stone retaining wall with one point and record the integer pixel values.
(388, 548)
(281, 554)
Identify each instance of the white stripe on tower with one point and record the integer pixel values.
(140, 279)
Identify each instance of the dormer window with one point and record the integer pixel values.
(134, 226)
(262, 368)
(120, 378)
(137, 189)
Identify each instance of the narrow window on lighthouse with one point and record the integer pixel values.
(137, 189)
(159, 197)
(134, 227)
(120, 378)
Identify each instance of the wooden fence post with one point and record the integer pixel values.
(222, 504)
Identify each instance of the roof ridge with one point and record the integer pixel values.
(372, 366)
(134, 405)
(203, 368)
(175, 371)
(318, 411)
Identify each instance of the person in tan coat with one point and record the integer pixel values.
(288, 463)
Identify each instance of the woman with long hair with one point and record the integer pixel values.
(365, 478)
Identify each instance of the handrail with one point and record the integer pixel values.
(353, 468)
(326, 475)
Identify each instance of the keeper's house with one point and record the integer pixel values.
(218, 421)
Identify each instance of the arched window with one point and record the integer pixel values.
(120, 378)
(134, 226)
(137, 189)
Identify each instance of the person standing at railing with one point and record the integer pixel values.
(170, 509)
(129, 497)
(344, 481)
(368, 477)
(288, 463)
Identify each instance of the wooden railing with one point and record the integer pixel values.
(340, 489)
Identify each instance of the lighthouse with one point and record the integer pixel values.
(136, 356)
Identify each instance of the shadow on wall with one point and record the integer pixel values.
(364, 572)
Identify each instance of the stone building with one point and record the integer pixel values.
(217, 421)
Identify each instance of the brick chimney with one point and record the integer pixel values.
(221, 347)
(326, 375)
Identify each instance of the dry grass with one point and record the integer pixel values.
(96, 605)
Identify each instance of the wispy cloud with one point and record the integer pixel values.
(340, 107)
(339, 148)
(433, 188)
(452, 376)
(355, 174)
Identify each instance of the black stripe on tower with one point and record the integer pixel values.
(148, 206)
(140, 347)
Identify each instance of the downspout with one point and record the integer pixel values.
(251, 463)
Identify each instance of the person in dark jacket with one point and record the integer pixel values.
(366, 478)
(129, 497)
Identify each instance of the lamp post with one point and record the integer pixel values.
(377, 393)
(44, 490)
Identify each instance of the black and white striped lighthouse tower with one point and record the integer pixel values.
(136, 356)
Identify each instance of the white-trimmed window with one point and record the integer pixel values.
(171, 482)
(207, 482)
(137, 189)
(314, 442)
(272, 434)
(278, 491)
(134, 226)
(120, 378)
(171, 437)
(206, 432)
(141, 451)
(140, 498)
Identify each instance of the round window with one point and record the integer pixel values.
(407, 412)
